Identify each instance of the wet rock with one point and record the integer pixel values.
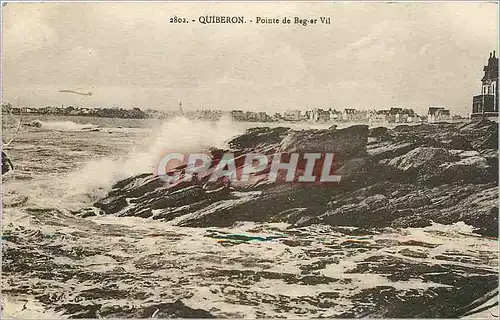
(473, 204)
(421, 160)
(490, 142)
(439, 278)
(258, 136)
(175, 310)
(79, 311)
(389, 149)
(436, 166)
(134, 186)
(345, 143)
(6, 163)
(89, 212)
(383, 183)
(491, 155)
(375, 202)
(457, 142)
(377, 132)
(473, 169)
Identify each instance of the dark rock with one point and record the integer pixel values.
(424, 164)
(446, 303)
(175, 310)
(383, 183)
(6, 163)
(471, 169)
(345, 143)
(490, 142)
(377, 132)
(456, 142)
(257, 136)
(389, 149)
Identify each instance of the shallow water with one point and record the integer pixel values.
(57, 264)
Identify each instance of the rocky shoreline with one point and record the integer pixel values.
(410, 176)
(410, 231)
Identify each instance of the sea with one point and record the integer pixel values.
(59, 265)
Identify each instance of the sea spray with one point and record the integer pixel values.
(62, 125)
(97, 177)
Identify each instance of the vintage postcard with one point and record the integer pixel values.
(296, 160)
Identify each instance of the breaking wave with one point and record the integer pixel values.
(177, 134)
(62, 125)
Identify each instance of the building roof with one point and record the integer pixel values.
(409, 112)
(395, 110)
(491, 70)
(434, 110)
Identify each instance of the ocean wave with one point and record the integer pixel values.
(177, 135)
(62, 125)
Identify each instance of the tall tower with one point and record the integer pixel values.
(180, 108)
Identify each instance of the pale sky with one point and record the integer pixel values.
(371, 56)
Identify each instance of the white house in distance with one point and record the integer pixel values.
(292, 115)
(438, 114)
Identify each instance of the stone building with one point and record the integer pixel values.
(486, 104)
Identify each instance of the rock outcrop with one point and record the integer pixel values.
(6, 163)
(407, 176)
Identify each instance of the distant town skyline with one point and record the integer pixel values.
(392, 115)
(371, 56)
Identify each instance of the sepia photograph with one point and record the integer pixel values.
(249, 159)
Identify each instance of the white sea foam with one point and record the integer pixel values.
(62, 125)
(175, 135)
(28, 308)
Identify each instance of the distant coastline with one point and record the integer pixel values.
(319, 116)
